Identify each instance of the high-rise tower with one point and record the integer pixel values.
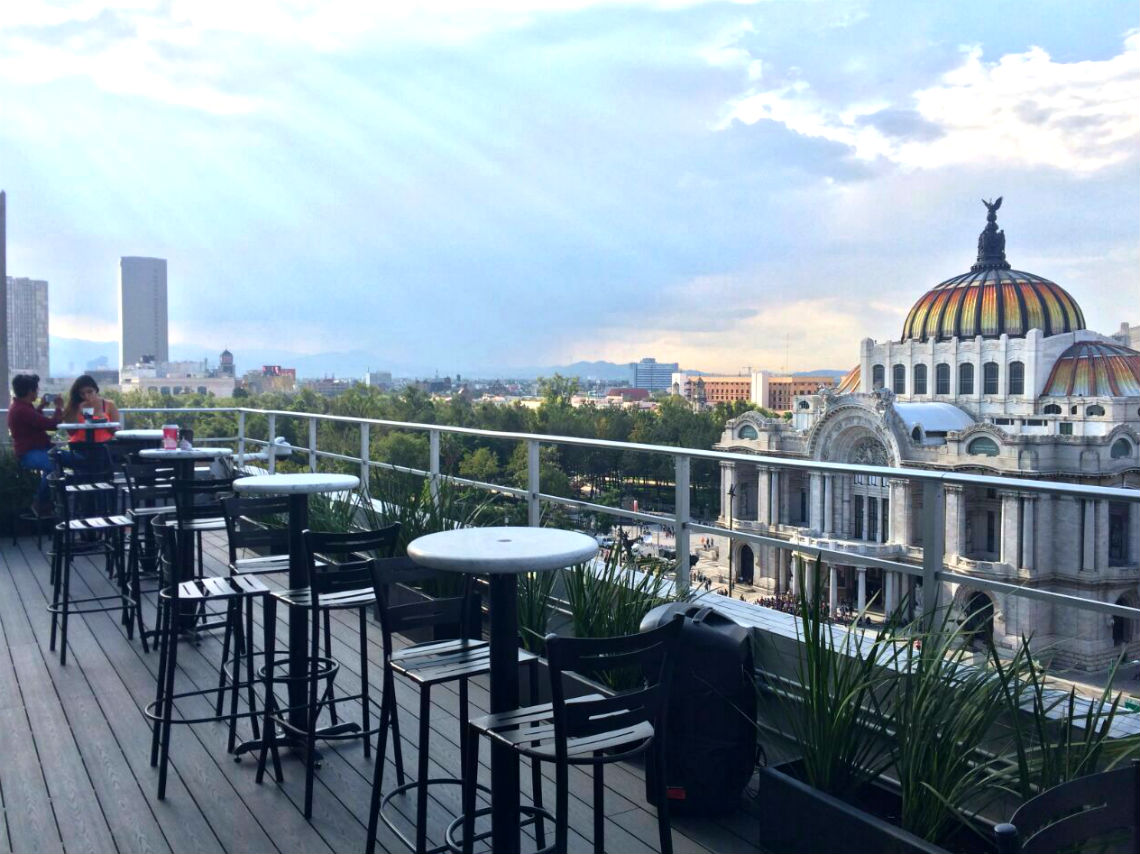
(27, 311)
(142, 310)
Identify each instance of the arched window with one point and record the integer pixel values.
(1121, 448)
(983, 446)
(804, 404)
(878, 376)
(1017, 378)
(920, 379)
(916, 434)
(966, 378)
(898, 379)
(1095, 409)
(942, 378)
(1052, 409)
(747, 432)
(990, 378)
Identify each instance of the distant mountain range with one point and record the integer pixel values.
(70, 356)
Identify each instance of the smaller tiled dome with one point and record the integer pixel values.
(1095, 369)
(850, 383)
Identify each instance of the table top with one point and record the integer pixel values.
(90, 425)
(503, 550)
(301, 482)
(192, 454)
(150, 435)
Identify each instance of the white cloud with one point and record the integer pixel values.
(1025, 109)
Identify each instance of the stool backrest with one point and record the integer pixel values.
(460, 614)
(257, 523)
(1103, 806)
(651, 654)
(149, 486)
(200, 498)
(346, 558)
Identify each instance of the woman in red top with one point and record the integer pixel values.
(84, 404)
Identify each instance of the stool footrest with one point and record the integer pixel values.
(404, 789)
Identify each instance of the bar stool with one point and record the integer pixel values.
(335, 584)
(426, 665)
(592, 730)
(75, 536)
(239, 596)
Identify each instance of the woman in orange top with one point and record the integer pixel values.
(84, 404)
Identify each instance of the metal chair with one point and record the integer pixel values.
(426, 665)
(238, 595)
(591, 730)
(78, 535)
(1103, 807)
(340, 578)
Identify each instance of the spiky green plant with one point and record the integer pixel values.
(832, 709)
(534, 589)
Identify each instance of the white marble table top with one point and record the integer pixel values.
(90, 425)
(147, 434)
(502, 551)
(192, 454)
(286, 484)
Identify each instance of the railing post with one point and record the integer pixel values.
(365, 456)
(241, 436)
(933, 547)
(433, 466)
(533, 484)
(681, 522)
(272, 457)
(312, 444)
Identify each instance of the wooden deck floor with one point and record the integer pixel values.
(75, 774)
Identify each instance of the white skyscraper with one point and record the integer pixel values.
(28, 326)
(142, 310)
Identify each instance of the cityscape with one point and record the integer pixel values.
(412, 412)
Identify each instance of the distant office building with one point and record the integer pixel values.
(270, 378)
(778, 393)
(379, 379)
(327, 386)
(182, 377)
(653, 375)
(226, 364)
(711, 390)
(142, 310)
(28, 326)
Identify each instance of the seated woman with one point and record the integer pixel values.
(84, 404)
(31, 434)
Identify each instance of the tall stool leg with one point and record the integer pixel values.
(168, 698)
(365, 701)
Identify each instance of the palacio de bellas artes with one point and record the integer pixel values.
(993, 373)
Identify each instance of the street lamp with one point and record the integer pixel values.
(731, 501)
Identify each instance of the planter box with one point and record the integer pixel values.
(805, 819)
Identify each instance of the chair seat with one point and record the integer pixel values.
(264, 565)
(217, 587)
(302, 597)
(443, 661)
(530, 730)
(89, 487)
(97, 523)
(148, 512)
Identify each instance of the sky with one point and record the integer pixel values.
(460, 185)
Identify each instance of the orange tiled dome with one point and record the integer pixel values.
(850, 383)
(992, 300)
(1095, 369)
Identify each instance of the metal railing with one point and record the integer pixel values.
(933, 483)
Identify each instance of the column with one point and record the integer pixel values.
(890, 602)
(1010, 529)
(1101, 534)
(832, 589)
(900, 513)
(955, 520)
(727, 482)
(793, 565)
(763, 494)
(815, 503)
(1133, 534)
(774, 517)
(861, 596)
(843, 525)
(1088, 534)
(1028, 530)
(828, 505)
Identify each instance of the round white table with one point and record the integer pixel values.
(298, 487)
(140, 435)
(503, 553)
